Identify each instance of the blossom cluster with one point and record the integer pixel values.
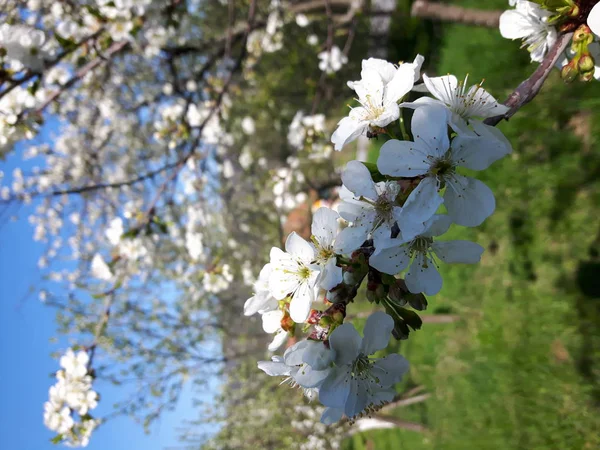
(539, 26)
(388, 223)
(67, 412)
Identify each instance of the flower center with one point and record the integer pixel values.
(374, 111)
(304, 272)
(421, 244)
(361, 368)
(324, 254)
(443, 167)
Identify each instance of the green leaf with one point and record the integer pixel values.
(66, 44)
(130, 234)
(57, 439)
(404, 319)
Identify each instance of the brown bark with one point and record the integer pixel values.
(457, 14)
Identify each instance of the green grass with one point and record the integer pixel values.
(521, 369)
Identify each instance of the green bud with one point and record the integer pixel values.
(569, 72)
(586, 64)
(587, 76)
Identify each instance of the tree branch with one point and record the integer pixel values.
(529, 88)
(457, 14)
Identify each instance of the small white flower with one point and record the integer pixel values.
(75, 365)
(529, 22)
(468, 201)
(248, 126)
(332, 61)
(422, 275)
(302, 21)
(358, 381)
(464, 105)
(381, 86)
(369, 207)
(325, 228)
(294, 274)
(312, 39)
(100, 269)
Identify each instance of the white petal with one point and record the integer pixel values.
(377, 332)
(345, 343)
(420, 206)
(476, 152)
(358, 398)
(301, 303)
(348, 130)
(465, 252)
(401, 84)
(514, 25)
(390, 113)
(390, 260)
(389, 370)
(274, 369)
(403, 159)
(332, 415)
(325, 226)
(298, 247)
(593, 20)
(353, 210)
(442, 88)
(281, 283)
(357, 178)
(260, 302)
(331, 275)
(294, 356)
(483, 104)
(350, 239)
(371, 87)
(469, 201)
(336, 387)
(278, 341)
(271, 321)
(429, 127)
(317, 355)
(423, 276)
(437, 225)
(309, 377)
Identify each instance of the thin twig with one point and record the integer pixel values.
(529, 88)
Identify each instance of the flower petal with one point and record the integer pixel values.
(437, 225)
(593, 20)
(331, 275)
(271, 321)
(301, 303)
(429, 127)
(349, 128)
(309, 377)
(478, 152)
(357, 178)
(274, 368)
(442, 88)
(350, 239)
(317, 355)
(423, 276)
(345, 343)
(325, 226)
(358, 398)
(403, 159)
(332, 415)
(335, 388)
(377, 332)
(465, 252)
(390, 370)
(300, 248)
(420, 206)
(469, 201)
(391, 260)
(278, 340)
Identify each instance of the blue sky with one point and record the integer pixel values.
(26, 327)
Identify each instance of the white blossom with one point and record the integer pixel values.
(333, 60)
(295, 274)
(468, 201)
(422, 275)
(381, 86)
(529, 22)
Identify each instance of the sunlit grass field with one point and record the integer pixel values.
(520, 369)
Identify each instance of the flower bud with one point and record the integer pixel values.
(586, 63)
(569, 72)
(587, 76)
